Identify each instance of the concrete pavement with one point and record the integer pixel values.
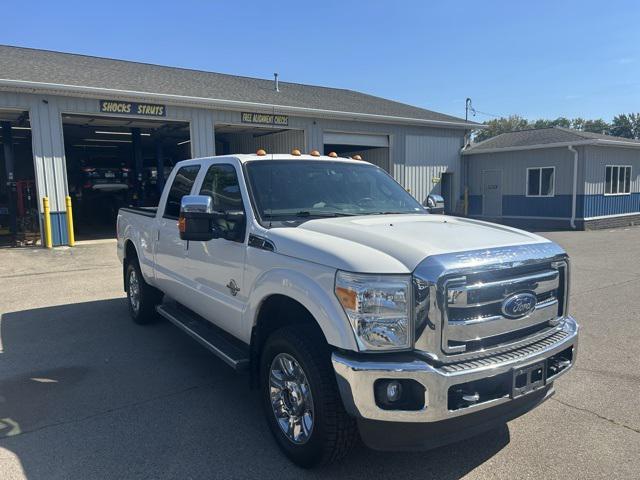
(85, 393)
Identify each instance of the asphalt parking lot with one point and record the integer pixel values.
(87, 394)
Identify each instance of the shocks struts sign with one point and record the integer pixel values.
(133, 108)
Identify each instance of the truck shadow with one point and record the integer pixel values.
(85, 393)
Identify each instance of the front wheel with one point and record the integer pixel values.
(300, 398)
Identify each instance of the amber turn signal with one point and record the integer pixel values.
(347, 298)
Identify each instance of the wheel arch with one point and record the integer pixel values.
(130, 253)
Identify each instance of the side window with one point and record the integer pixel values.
(221, 184)
(182, 184)
(617, 180)
(540, 182)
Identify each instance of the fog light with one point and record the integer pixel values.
(399, 394)
(394, 391)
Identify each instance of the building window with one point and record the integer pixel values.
(541, 181)
(617, 180)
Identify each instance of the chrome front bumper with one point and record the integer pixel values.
(356, 375)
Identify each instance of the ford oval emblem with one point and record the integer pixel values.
(519, 305)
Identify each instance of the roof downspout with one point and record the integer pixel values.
(575, 186)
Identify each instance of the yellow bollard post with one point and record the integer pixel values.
(72, 238)
(47, 223)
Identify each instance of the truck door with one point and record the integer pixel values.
(170, 250)
(216, 267)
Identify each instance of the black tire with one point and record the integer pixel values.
(144, 310)
(334, 432)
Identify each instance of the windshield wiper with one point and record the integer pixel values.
(306, 213)
(388, 213)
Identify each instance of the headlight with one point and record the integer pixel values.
(379, 309)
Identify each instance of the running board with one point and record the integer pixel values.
(230, 350)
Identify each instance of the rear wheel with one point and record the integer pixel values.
(142, 297)
(300, 398)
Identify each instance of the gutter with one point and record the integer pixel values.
(574, 196)
(471, 151)
(202, 102)
(595, 141)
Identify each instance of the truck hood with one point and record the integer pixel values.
(391, 243)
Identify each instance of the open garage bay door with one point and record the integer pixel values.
(234, 139)
(113, 162)
(372, 148)
(19, 217)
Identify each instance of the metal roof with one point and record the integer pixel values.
(30, 67)
(546, 138)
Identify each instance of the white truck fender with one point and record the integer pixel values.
(316, 295)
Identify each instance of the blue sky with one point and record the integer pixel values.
(536, 58)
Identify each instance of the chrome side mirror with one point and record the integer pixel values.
(196, 218)
(434, 203)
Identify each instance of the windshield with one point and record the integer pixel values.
(294, 190)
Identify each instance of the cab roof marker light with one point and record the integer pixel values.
(261, 152)
(314, 153)
(296, 152)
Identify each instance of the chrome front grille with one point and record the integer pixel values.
(461, 300)
(473, 307)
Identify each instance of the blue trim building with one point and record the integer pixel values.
(554, 178)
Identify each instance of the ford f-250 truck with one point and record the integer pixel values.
(355, 311)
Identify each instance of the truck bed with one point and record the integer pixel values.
(146, 211)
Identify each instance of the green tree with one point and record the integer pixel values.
(596, 126)
(625, 125)
(502, 125)
(578, 123)
(561, 122)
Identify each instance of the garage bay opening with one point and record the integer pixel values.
(235, 139)
(19, 218)
(372, 148)
(114, 162)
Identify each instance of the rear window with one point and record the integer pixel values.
(181, 186)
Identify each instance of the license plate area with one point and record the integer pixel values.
(527, 379)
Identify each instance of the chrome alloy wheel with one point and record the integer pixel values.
(134, 290)
(291, 399)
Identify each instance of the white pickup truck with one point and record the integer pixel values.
(355, 311)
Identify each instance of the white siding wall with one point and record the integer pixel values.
(597, 160)
(427, 157)
(514, 169)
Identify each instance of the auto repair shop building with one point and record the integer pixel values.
(554, 178)
(105, 132)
